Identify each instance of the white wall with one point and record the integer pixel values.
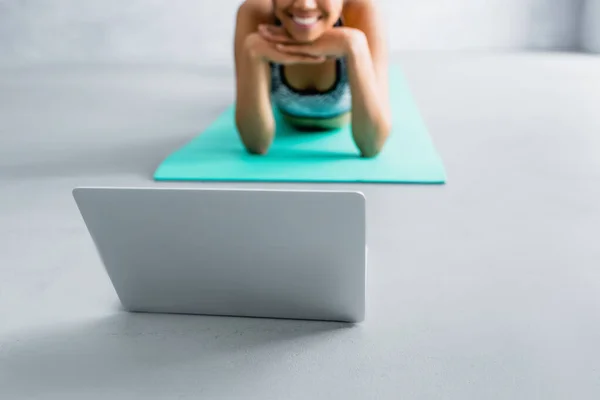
(590, 39)
(199, 31)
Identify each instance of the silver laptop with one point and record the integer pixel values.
(232, 252)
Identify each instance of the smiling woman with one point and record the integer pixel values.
(322, 63)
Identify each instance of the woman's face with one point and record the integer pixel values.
(306, 20)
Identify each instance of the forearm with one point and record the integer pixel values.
(370, 115)
(254, 114)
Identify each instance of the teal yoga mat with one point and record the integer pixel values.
(218, 155)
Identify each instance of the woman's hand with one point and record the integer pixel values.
(265, 50)
(334, 43)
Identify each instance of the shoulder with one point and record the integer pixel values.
(365, 17)
(358, 13)
(259, 10)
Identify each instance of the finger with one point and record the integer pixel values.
(303, 58)
(275, 30)
(299, 59)
(276, 38)
(274, 34)
(286, 58)
(298, 49)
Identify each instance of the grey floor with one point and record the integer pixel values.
(486, 288)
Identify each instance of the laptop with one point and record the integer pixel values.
(291, 254)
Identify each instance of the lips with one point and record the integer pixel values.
(305, 21)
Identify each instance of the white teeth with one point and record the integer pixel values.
(306, 21)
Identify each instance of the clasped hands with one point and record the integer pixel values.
(272, 43)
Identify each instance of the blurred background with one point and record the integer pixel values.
(493, 279)
(200, 32)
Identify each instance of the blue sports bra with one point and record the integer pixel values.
(310, 103)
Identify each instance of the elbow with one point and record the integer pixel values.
(257, 145)
(256, 149)
(371, 151)
(371, 146)
(256, 141)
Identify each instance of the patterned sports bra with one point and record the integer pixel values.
(311, 103)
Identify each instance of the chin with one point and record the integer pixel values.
(305, 34)
(306, 37)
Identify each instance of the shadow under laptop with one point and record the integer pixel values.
(130, 349)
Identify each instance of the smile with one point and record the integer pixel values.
(305, 21)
